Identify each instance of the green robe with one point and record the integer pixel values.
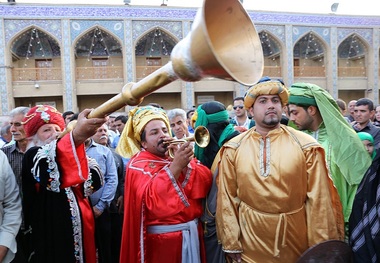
(346, 190)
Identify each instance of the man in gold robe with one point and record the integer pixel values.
(275, 197)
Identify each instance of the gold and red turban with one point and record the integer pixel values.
(40, 115)
(130, 139)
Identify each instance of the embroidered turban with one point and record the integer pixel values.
(266, 86)
(40, 115)
(130, 139)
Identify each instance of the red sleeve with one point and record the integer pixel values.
(73, 162)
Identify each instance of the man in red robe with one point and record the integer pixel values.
(163, 196)
(57, 179)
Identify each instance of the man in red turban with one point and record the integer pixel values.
(57, 178)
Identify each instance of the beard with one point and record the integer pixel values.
(38, 142)
(271, 121)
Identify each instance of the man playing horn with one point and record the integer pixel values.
(163, 196)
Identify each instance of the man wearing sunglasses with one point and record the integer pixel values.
(241, 120)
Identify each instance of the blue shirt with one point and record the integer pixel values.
(102, 198)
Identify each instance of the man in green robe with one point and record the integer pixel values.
(313, 110)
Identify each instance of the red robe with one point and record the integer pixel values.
(154, 197)
(63, 223)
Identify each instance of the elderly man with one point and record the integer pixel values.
(57, 178)
(15, 153)
(313, 110)
(178, 123)
(163, 196)
(101, 199)
(116, 207)
(272, 205)
(10, 211)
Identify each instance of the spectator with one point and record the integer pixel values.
(364, 112)
(120, 122)
(178, 123)
(102, 198)
(10, 211)
(6, 135)
(240, 120)
(351, 110)
(190, 114)
(313, 110)
(116, 208)
(214, 116)
(67, 116)
(15, 154)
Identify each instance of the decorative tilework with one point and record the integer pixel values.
(186, 28)
(142, 27)
(80, 26)
(3, 83)
(321, 32)
(366, 34)
(129, 53)
(189, 95)
(68, 87)
(334, 62)
(376, 46)
(277, 31)
(314, 19)
(289, 52)
(168, 13)
(241, 90)
(83, 11)
(14, 27)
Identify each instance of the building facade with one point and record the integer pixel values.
(80, 56)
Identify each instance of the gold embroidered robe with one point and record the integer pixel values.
(275, 197)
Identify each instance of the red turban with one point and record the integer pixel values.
(40, 115)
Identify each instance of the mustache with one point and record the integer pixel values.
(162, 142)
(270, 112)
(104, 137)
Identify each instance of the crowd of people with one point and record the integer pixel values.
(284, 169)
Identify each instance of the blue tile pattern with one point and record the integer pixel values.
(67, 80)
(334, 60)
(14, 27)
(3, 69)
(142, 27)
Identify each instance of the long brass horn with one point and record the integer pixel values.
(223, 43)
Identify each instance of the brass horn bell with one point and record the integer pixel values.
(201, 138)
(223, 43)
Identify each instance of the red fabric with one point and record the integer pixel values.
(152, 199)
(40, 115)
(74, 165)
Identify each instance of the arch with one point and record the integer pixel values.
(308, 56)
(170, 39)
(272, 50)
(352, 52)
(36, 55)
(152, 50)
(98, 54)
(104, 33)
